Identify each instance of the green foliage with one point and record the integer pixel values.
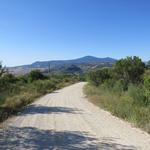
(138, 94)
(9, 78)
(124, 90)
(44, 86)
(97, 77)
(118, 87)
(129, 69)
(35, 75)
(130, 105)
(147, 83)
(16, 92)
(7, 81)
(147, 90)
(3, 80)
(2, 70)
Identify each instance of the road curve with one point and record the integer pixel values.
(66, 120)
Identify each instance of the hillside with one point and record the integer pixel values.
(84, 63)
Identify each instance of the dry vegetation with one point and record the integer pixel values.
(17, 92)
(124, 90)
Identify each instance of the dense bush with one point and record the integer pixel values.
(16, 92)
(130, 69)
(138, 95)
(124, 90)
(35, 75)
(97, 77)
(130, 105)
(2, 70)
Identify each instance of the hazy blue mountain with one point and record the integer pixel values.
(83, 60)
(83, 63)
(91, 59)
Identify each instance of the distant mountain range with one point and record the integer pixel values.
(84, 64)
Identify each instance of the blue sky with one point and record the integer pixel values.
(32, 30)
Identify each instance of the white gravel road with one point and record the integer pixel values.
(66, 120)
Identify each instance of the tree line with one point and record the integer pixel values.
(124, 73)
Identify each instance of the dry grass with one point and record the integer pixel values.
(14, 102)
(122, 106)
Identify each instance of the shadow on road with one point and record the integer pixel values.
(35, 139)
(39, 109)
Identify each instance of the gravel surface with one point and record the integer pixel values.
(66, 120)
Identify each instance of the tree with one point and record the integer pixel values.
(35, 75)
(2, 70)
(97, 77)
(5, 78)
(9, 78)
(129, 70)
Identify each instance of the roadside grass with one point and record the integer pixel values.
(121, 104)
(18, 95)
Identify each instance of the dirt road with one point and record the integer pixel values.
(65, 120)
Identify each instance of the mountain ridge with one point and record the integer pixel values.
(85, 59)
(84, 62)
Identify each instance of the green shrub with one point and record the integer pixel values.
(2, 99)
(127, 106)
(142, 117)
(123, 107)
(124, 90)
(137, 93)
(2, 70)
(97, 77)
(118, 88)
(17, 92)
(44, 86)
(35, 75)
(23, 79)
(129, 69)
